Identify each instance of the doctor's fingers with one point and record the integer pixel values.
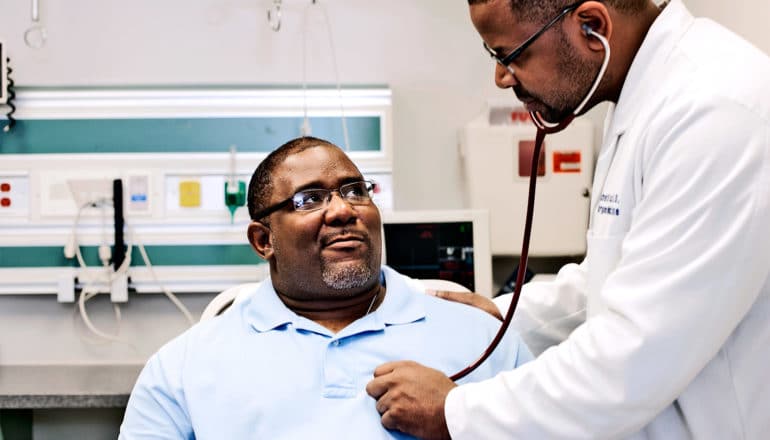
(377, 387)
(394, 414)
(471, 299)
(390, 367)
(385, 377)
(388, 421)
(401, 414)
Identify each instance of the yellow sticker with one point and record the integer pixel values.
(190, 193)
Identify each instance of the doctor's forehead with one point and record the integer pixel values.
(494, 19)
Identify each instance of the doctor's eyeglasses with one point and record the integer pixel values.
(355, 193)
(506, 61)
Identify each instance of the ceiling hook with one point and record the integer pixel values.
(274, 15)
(35, 36)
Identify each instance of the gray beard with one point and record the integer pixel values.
(342, 278)
(347, 277)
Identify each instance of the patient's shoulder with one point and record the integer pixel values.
(459, 315)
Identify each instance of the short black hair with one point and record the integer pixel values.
(543, 10)
(261, 184)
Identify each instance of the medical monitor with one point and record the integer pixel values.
(451, 245)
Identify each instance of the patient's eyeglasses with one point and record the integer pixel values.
(355, 193)
(508, 59)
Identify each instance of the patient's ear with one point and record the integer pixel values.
(259, 237)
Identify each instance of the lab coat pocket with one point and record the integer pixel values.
(603, 255)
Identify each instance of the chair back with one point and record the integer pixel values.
(228, 297)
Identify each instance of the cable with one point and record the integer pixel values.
(85, 295)
(122, 270)
(104, 249)
(336, 77)
(306, 129)
(76, 247)
(173, 298)
(11, 97)
(88, 290)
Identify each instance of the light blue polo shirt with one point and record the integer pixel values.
(259, 371)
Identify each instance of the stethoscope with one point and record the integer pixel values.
(543, 128)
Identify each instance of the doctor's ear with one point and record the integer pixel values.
(594, 18)
(260, 237)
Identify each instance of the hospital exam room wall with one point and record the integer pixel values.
(748, 18)
(426, 51)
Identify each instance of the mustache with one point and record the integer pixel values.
(524, 95)
(327, 239)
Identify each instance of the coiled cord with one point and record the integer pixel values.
(11, 97)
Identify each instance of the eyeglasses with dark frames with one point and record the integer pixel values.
(508, 59)
(355, 193)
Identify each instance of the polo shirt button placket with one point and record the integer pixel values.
(337, 380)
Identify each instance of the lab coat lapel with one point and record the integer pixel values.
(604, 161)
(643, 77)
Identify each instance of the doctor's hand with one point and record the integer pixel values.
(471, 299)
(410, 398)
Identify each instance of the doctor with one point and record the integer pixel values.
(663, 331)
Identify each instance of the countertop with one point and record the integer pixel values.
(66, 386)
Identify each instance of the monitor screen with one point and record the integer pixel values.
(447, 245)
(432, 250)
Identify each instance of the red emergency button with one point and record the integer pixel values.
(5, 202)
(5, 187)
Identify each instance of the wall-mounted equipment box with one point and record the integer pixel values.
(497, 159)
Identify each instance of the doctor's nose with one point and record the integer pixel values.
(504, 78)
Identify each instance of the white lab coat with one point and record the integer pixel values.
(663, 331)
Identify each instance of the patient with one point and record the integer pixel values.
(293, 360)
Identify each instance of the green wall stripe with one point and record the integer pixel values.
(194, 255)
(181, 135)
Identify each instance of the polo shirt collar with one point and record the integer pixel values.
(403, 304)
(264, 311)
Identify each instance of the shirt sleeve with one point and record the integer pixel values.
(692, 264)
(548, 311)
(156, 409)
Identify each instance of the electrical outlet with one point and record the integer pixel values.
(62, 194)
(14, 196)
(90, 190)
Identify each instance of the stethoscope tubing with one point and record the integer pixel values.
(543, 128)
(522, 263)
